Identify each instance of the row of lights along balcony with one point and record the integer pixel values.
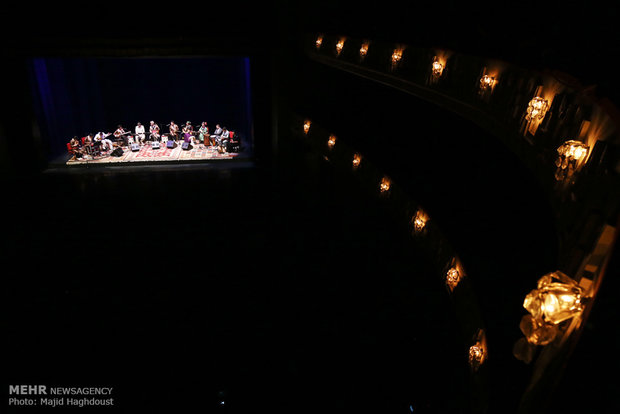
(572, 154)
(454, 272)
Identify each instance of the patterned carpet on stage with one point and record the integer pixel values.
(147, 153)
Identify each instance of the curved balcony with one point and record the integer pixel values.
(563, 136)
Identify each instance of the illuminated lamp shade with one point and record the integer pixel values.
(319, 42)
(571, 157)
(385, 184)
(397, 55)
(556, 299)
(536, 109)
(536, 331)
(331, 141)
(419, 221)
(357, 160)
(437, 68)
(478, 351)
(364, 50)
(453, 277)
(340, 45)
(487, 82)
(307, 126)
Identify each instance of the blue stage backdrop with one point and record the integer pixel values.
(78, 96)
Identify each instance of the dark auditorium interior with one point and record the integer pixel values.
(422, 215)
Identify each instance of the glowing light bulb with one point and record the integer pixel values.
(397, 55)
(437, 68)
(487, 82)
(556, 299)
(364, 50)
(319, 42)
(419, 221)
(385, 185)
(536, 109)
(307, 126)
(340, 45)
(331, 141)
(453, 277)
(357, 159)
(478, 351)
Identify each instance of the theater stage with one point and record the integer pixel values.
(147, 154)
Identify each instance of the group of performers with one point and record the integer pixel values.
(221, 138)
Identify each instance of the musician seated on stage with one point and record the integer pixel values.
(154, 132)
(224, 138)
(140, 135)
(105, 144)
(121, 135)
(76, 147)
(174, 131)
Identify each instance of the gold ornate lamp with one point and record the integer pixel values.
(307, 124)
(556, 299)
(419, 220)
(357, 160)
(364, 50)
(340, 45)
(571, 157)
(478, 352)
(385, 184)
(331, 141)
(397, 56)
(437, 68)
(536, 109)
(487, 83)
(319, 41)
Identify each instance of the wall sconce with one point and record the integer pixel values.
(384, 186)
(419, 221)
(453, 277)
(319, 42)
(307, 126)
(487, 83)
(478, 351)
(397, 55)
(364, 50)
(537, 108)
(331, 141)
(437, 68)
(340, 45)
(571, 157)
(357, 159)
(556, 298)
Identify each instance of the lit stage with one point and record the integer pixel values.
(148, 154)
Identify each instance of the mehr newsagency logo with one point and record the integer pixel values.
(44, 396)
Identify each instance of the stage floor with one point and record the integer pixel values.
(163, 154)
